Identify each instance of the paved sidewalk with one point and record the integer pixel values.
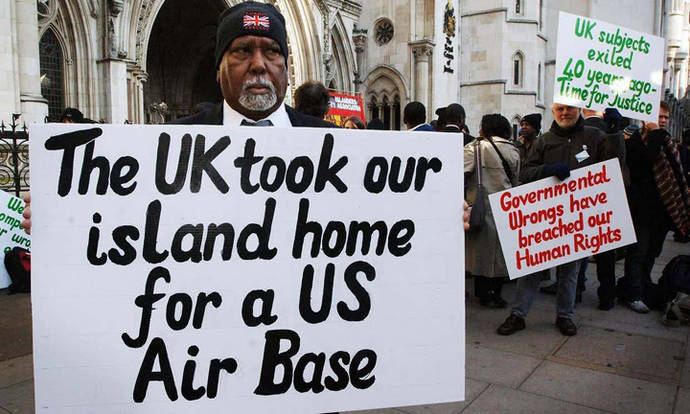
(619, 362)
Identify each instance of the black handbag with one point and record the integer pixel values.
(478, 210)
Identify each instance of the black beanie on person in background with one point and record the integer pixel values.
(72, 114)
(250, 18)
(534, 120)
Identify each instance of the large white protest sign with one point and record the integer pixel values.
(550, 222)
(601, 65)
(11, 234)
(253, 270)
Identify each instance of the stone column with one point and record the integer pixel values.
(9, 78)
(422, 51)
(681, 76)
(683, 53)
(112, 70)
(141, 113)
(359, 37)
(113, 76)
(34, 107)
(674, 36)
(131, 96)
(135, 93)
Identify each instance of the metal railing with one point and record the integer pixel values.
(14, 157)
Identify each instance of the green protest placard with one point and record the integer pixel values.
(601, 65)
(11, 234)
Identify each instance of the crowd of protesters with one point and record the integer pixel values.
(656, 171)
(655, 167)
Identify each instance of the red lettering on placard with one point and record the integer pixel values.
(508, 201)
(528, 259)
(594, 243)
(578, 204)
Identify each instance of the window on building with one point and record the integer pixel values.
(518, 6)
(383, 31)
(373, 108)
(517, 70)
(52, 81)
(386, 95)
(386, 108)
(516, 126)
(396, 113)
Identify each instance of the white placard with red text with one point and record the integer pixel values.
(550, 222)
(208, 269)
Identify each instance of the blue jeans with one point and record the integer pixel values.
(527, 286)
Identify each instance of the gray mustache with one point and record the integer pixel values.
(258, 82)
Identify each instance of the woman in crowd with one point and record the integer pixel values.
(499, 166)
(353, 122)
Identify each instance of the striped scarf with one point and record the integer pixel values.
(672, 185)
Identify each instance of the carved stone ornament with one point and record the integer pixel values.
(359, 38)
(383, 31)
(449, 21)
(47, 10)
(147, 7)
(423, 51)
(115, 7)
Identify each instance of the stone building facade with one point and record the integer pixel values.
(144, 61)
(507, 51)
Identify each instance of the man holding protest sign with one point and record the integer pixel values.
(568, 145)
(312, 185)
(251, 63)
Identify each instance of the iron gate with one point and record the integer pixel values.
(14, 157)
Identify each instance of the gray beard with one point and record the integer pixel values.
(258, 102)
(261, 102)
(567, 124)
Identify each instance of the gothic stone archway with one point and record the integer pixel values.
(180, 57)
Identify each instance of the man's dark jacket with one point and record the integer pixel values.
(559, 145)
(595, 122)
(466, 139)
(524, 149)
(614, 143)
(214, 116)
(645, 202)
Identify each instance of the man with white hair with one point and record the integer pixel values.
(568, 145)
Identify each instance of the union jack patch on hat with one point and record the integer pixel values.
(256, 21)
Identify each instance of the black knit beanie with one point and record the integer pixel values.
(534, 120)
(250, 18)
